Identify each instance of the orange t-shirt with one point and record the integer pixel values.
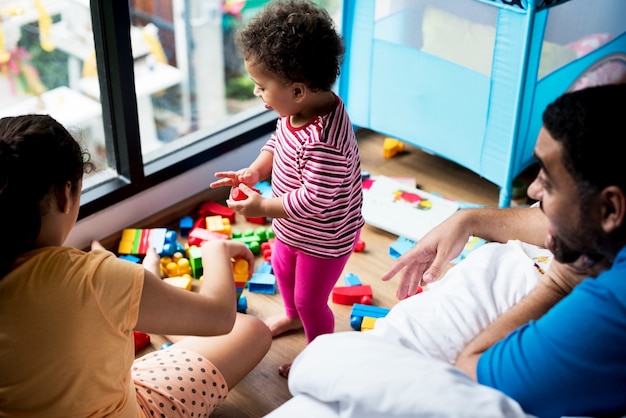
(66, 334)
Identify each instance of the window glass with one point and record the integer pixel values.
(43, 46)
(189, 81)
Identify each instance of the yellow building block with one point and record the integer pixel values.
(217, 223)
(368, 323)
(391, 147)
(182, 282)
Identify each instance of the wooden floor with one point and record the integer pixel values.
(264, 389)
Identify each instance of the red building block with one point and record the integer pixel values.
(349, 295)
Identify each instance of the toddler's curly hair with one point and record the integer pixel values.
(295, 40)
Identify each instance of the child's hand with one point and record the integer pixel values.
(249, 205)
(234, 250)
(246, 176)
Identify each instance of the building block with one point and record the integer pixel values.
(359, 247)
(199, 235)
(265, 268)
(351, 279)
(141, 340)
(264, 188)
(267, 248)
(181, 281)
(360, 311)
(262, 283)
(237, 194)
(137, 241)
(217, 223)
(368, 323)
(184, 226)
(348, 295)
(391, 147)
(242, 305)
(195, 261)
(400, 246)
(130, 258)
(210, 208)
(240, 274)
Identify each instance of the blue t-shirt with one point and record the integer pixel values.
(572, 361)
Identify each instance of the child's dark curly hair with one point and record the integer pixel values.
(295, 40)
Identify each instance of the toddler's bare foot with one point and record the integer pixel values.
(152, 262)
(281, 324)
(285, 369)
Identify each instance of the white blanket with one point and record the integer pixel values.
(403, 366)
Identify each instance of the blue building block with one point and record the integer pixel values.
(400, 246)
(265, 268)
(262, 283)
(130, 257)
(242, 304)
(351, 280)
(184, 225)
(359, 311)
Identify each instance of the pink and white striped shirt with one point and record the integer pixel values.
(317, 171)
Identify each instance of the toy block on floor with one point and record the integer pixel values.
(141, 340)
(240, 274)
(391, 147)
(351, 279)
(262, 283)
(195, 261)
(400, 246)
(137, 241)
(242, 305)
(184, 225)
(368, 323)
(210, 208)
(182, 282)
(360, 311)
(219, 224)
(348, 295)
(199, 235)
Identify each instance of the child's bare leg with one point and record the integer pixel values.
(280, 324)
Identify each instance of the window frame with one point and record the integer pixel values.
(111, 22)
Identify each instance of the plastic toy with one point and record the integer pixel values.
(237, 194)
(351, 279)
(359, 247)
(141, 340)
(348, 295)
(262, 283)
(240, 274)
(137, 241)
(400, 246)
(198, 235)
(195, 261)
(184, 225)
(360, 311)
(242, 305)
(213, 208)
(217, 223)
(391, 147)
(184, 282)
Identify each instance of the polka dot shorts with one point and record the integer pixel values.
(177, 383)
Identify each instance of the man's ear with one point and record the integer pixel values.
(64, 198)
(614, 208)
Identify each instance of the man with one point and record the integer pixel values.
(563, 355)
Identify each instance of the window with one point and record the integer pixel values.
(152, 88)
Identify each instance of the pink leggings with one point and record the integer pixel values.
(305, 282)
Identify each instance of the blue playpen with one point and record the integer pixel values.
(468, 80)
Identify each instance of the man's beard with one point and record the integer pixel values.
(566, 254)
